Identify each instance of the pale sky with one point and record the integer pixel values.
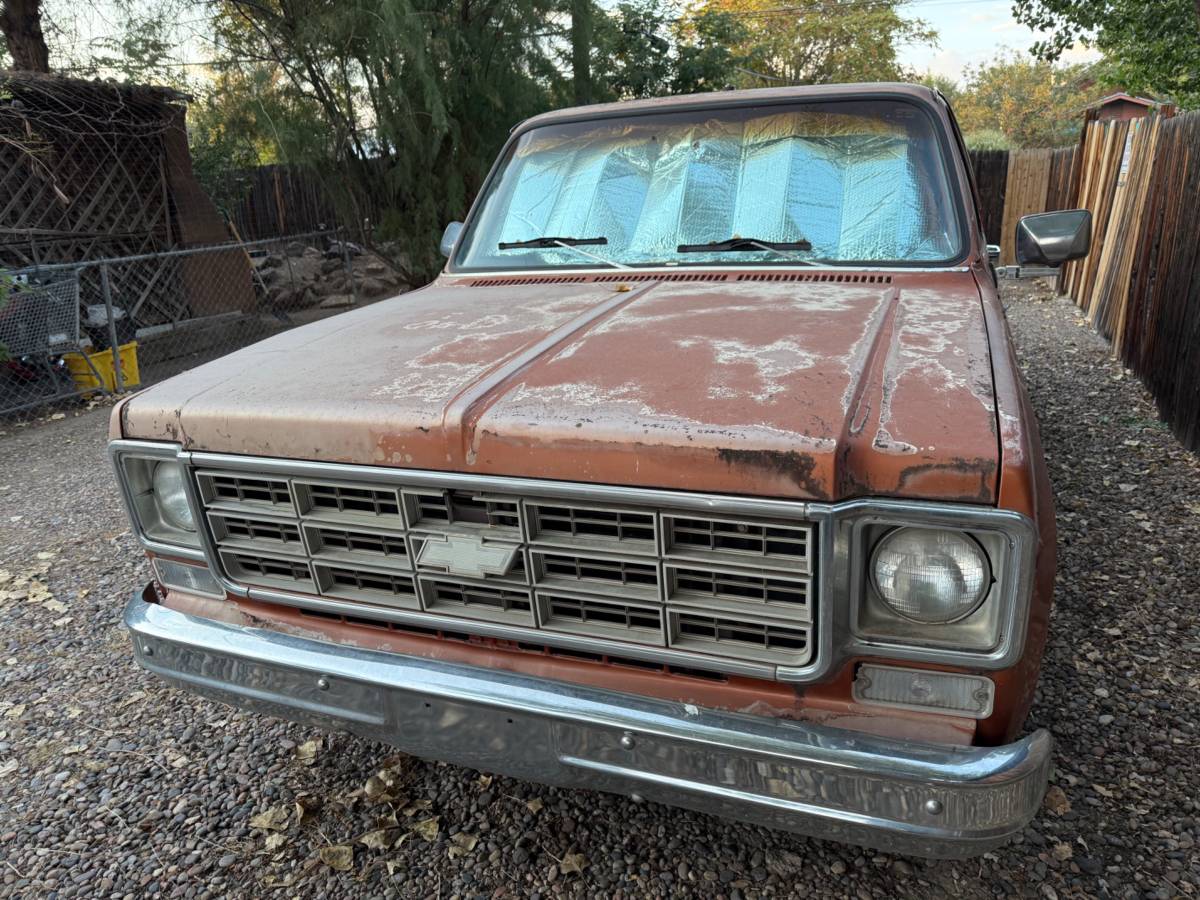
(971, 32)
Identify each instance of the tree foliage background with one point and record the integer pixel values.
(401, 105)
(1150, 46)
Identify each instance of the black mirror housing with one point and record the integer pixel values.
(450, 238)
(1052, 238)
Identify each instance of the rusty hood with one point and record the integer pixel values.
(868, 385)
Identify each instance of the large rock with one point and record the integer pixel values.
(330, 265)
(376, 269)
(373, 287)
(337, 301)
(294, 249)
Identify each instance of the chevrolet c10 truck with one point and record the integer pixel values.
(703, 474)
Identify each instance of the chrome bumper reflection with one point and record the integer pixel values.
(902, 797)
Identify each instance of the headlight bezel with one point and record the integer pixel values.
(992, 635)
(135, 463)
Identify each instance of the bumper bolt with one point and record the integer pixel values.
(933, 807)
(323, 683)
(627, 741)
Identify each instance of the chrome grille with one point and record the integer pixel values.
(715, 591)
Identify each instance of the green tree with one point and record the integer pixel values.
(1150, 46)
(818, 42)
(1030, 102)
(415, 96)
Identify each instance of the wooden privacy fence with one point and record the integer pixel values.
(1018, 183)
(1140, 285)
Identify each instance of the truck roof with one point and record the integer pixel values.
(751, 97)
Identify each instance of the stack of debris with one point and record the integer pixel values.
(305, 276)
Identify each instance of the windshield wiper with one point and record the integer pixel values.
(743, 245)
(568, 243)
(551, 242)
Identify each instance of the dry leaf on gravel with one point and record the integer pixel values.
(306, 809)
(55, 606)
(416, 806)
(485, 781)
(73, 749)
(379, 839)
(572, 863)
(1062, 852)
(380, 789)
(273, 819)
(274, 841)
(427, 829)
(8, 767)
(1056, 801)
(133, 697)
(59, 623)
(338, 856)
(534, 805)
(15, 711)
(306, 753)
(47, 554)
(461, 844)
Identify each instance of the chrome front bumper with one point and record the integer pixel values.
(902, 797)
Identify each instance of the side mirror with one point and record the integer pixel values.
(450, 238)
(1050, 239)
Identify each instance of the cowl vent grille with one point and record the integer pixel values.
(820, 277)
(677, 587)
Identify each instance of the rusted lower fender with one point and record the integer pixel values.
(1024, 488)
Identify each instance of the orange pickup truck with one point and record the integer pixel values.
(702, 474)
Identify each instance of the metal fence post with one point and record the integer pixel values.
(114, 348)
(349, 267)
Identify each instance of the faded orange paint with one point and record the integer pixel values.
(804, 390)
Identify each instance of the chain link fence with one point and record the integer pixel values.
(71, 331)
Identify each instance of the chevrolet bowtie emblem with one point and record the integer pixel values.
(461, 554)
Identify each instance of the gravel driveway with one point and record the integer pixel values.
(112, 784)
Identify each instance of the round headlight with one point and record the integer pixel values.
(931, 575)
(170, 497)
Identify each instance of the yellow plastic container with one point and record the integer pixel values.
(81, 372)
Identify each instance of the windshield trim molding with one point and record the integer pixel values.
(954, 168)
(736, 267)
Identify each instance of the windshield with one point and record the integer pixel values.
(833, 182)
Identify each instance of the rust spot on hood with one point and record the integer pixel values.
(789, 464)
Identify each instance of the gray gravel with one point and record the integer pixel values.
(115, 785)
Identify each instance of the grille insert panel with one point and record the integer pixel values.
(596, 526)
(388, 588)
(740, 590)
(767, 641)
(641, 623)
(743, 541)
(353, 503)
(237, 491)
(357, 545)
(607, 574)
(477, 601)
(709, 592)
